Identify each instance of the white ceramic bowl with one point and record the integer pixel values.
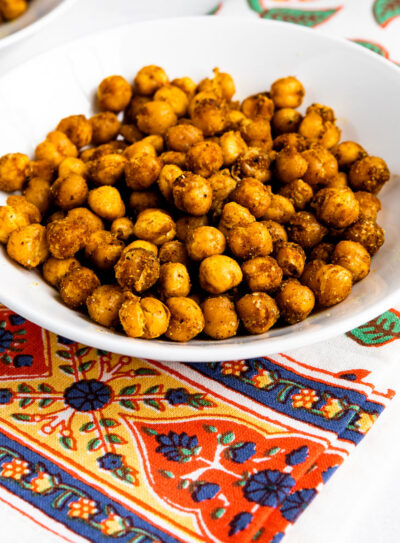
(362, 88)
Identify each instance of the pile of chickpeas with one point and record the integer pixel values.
(177, 210)
(12, 9)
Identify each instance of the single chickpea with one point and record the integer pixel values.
(258, 312)
(149, 79)
(130, 132)
(368, 233)
(254, 195)
(222, 185)
(141, 172)
(106, 202)
(55, 148)
(174, 280)
(92, 222)
(338, 182)
(107, 170)
(56, 216)
(155, 225)
(205, 241)
(315, 129)
(219, 273)
(66, 237)
(173, 251)
(205, 158)
(304, 229)
(122, 228)
(290, 165)
(232, 145)
(295, 301)
(54, 269)
(131, 315)
(257, 133)
(182, 137)
(253, 163)
(166, 179)
(234, 214)
(14, 171)
(322, 166)
(208, 113)
(192, 194)
(287, 92)
(298, 192)
(354, 257)
(333, 284)
(141, 244)
(185, 225)
(174, 157)
(43, 169)
(234, 119)
(290, 257)
(262, 273)
(348, 152)
(221, 320)
(103, 249)
(114, 93)
(105, 127)
(155, 140)
(21, 204)
(156, 117)
(140, 148)
(146, 199)
(12, 9)
(280, 210)
(221, 84)
(308, 277)
(116, 147)
(147, 318)
(276, 230)
(369, 174)
(250, 241)
(77, 128)
(322, 251)
(72, 165)
(28, 245)
(175, 97)
(258, 106)
(338, 208)
(69, 191)
(77, 285)
(325, 112)
(286, 120)
(138, 269)
(103, 305)
(186, 84)
(370, 205)
(291, 139)
(187, 320)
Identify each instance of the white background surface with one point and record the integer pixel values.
(360, 504)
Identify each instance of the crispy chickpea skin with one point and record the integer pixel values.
(111, 148)
(174, 280)
(258, 106)
(304, 229)
(308, 276)
(149, 79)
(142, 171)
(333, 284)
(370, 204)
(141, 244)
(54, 269)
(192, 194)
(295, 301)
(368, 233)
(205, 158)
(369, 174)
(77, 285)
(175, 97)
(43, 169)
(185, 225)
(138, 269)
(338, 182)
(222, 84)
(222, 185)
(146, 318)
(315, 129)
(91, 221)
(292, 139)
(146, 199)
(122, 228)
(66, 237)
(322, 166)
(258, 312)
(20, 203)
(55, 148)
(130, 133)
(182, 137)
(205, 241)
(298, 192)
(232, 145)
(173, 251)
(11, 9)
(354, 257)
(234, 214)
(187, 320)
(322, 251)
(156, 117)
(105, 127)
(103, 249)
(280, 210)
(104, 303)
(14, 171)
(337, 208)
(77, 128)
(221, 320)
(276, 230)
(262, 273)
(155, 225)
(254, 195)
(253, 163)
(257, 133)
(107, 170)
(114, 93)
(139, 148)
(286, 120)
(72, 165)
(166, 179)
(251, 240)
(186, 84)
(348, 152)
(290, 257)
(287, 92)
(219, 273)
(290, 165)
(208, 113)
(28, 245)
(175, 158)
(106, 202)
(69, 191)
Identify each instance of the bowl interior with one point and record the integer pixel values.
(362, 88)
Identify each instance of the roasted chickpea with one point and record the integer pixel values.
(205, 158)
(116, 147)
(369, 174)
(322, 166)
(219, 273)
(149, 79)
(354, 257)
(105, 127)
(156, 317)
(254, 195)
(253, 163)
(187, 320)
(114, 93)
(338, 208)
(156, 117)
(77, 285)
(250, 240)
(258, 312)
(290, 257)
(221, 84)
(287, 92)
(192, 194)
(146, 199)
(309, 274)
(291, 139)
(257, 133)
(66, 237)
(234, 214)
(222, 185)
(280, 210)
(258, 106)
(77, 128)
(138, 269)
(43, 169)
(290, 165)
(106, 202)
(286, 120)
(370, 205)
(298, 192)
(348, 152)
(333, 284)
(175, 97)
(173, 251)
(57, 216)
(208, 112)
(175, 158)
(69, 191)
(338, 182)
(14, 171)
(262, 273)
(91, 221)
(205, 241)
(140, 148)
(107, 170)
(130, 132)
(315, 129)
(276, 230)
(142, 244)
(221, 320)
(185, 225)
(186, 84)
(103, 249)
(155, 225)
(20, 203)
(322, 251)
(12, 9)
(55, 148)
(166, 179)
(141, 172)
(28, 245)
(295, 301)
(182, 137)
(232, 145)
(368, 233)
(234, 119)
(104, 304)
(122, 228)
(72, 165)
(304, 229)
(174, 280)
(54, 269)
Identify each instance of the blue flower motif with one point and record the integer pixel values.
(297, 456)
(251, 365)
(110, 461)
(87, 395)
(177, 447)
(17, 320)
(6, 338)
(295, 503)
(327, 474)
(268, 487)
(205, 491)
(243, 452)
(5, 396)
(177, 396)
(240, 522)
(64, 340)
(277, 537)
(23, 360)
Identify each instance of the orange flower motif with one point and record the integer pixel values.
(305, 398)
(331, 408)
(112, 525)
(234, 367)
(15, 469)
(262, 379)
(365, 421)
(42, 483)
(82, 509)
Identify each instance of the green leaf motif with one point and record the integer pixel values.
(385, 11)
(67, 369)
(375, 47)
(256, 5)
(26, 402)
(145, 371)
(149, 431)
(87, 427)
(128, 404)
(153, 390)
(108, 423)
(44, 388)
(379, 331)
(25, 388)
(83, 351)
(63, 354)
(129, 390)
(113, 438)
(45, 402)
(86, 366)
(218, 513)
(66, 442)
(156, 404)
(303, 17)
(210, 429)
(226, 438)
(167, 474)
(6, 359)
(215, 9)
(272, 451)
(94, 444)
(21, 417)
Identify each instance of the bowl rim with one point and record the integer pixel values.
(195, 351)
